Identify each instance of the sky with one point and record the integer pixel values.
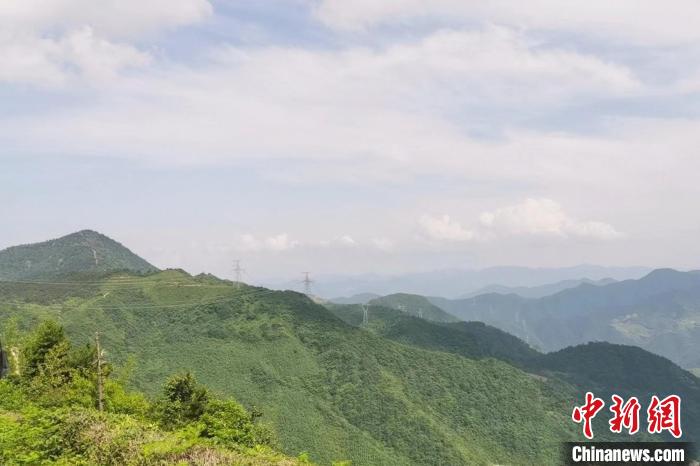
(372, 136)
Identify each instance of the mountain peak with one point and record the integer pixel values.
(85, 251)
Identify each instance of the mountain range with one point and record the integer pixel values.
(401, 390)
(536, 291)
(659, 312)
(454, 283)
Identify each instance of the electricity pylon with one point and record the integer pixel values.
(307, 283)
(239, 272)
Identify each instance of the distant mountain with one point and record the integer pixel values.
(538, 291)
(659, 312)
(83, 252)
(414, 305)
(458, 282)
(361, 298)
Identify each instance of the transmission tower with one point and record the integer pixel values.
(365, 314)
(420, 312)
(239, 272)
(307, 282)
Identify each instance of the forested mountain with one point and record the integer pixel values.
(603, 368)
(325, 387)
(470, 339)
(83, 252)
(400, 391)
(414, 305)
(659, 312)
(360, 298)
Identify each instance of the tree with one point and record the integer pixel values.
(47, 336)
(230, 424)
(183, 401)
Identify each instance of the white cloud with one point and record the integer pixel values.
(111, 18)
(355, 104)
(276, 243)
(53, 42)
(543, 217)
(53, 62)
(383, 244)
(280, 242)
(347, 240)
(532, 217)
(639, 21)
(444, 228)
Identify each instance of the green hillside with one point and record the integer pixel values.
(469, 339)
(603, 368)
(414, 305)
(62, 405)
(83, 252)
(326, 387)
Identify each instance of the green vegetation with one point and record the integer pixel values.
(326, 388)
(659, 312)
(414, 305)
(401, 390)
(82, 252)
(603, 368)
(469, 339)
(49, 415)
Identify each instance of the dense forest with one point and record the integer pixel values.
(60, 404)
(326, 387)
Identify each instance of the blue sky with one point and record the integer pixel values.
(364, 136)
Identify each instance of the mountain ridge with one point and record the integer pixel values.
(659, 312)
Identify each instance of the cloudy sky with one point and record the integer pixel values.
(365, 136)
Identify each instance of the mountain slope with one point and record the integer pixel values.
(414, 305)
(83, 252)
(602, 368)
(469, 339)
(659, 312)
(361, 298)
(337, 391)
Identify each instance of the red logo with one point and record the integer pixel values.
(665, 415)
(625, 415)
(587, 412)
(662, 415)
